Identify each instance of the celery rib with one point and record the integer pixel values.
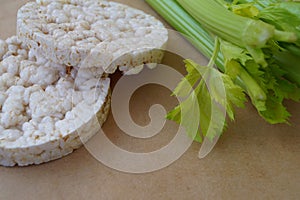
(239, 30)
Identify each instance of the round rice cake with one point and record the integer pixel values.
(92, 33)
(43, 105)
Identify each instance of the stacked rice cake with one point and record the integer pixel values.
(53, 75)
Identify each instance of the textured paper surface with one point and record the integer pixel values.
(252, 160)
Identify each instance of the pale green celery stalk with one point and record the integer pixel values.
(238, 30)
(177, 17)
(241, 31)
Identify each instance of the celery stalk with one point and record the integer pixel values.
(239, 30)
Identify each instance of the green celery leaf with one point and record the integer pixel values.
(235, 96)
(233, 52)
(215, 94)
(184, 88)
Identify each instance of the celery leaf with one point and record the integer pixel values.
(214, 95)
